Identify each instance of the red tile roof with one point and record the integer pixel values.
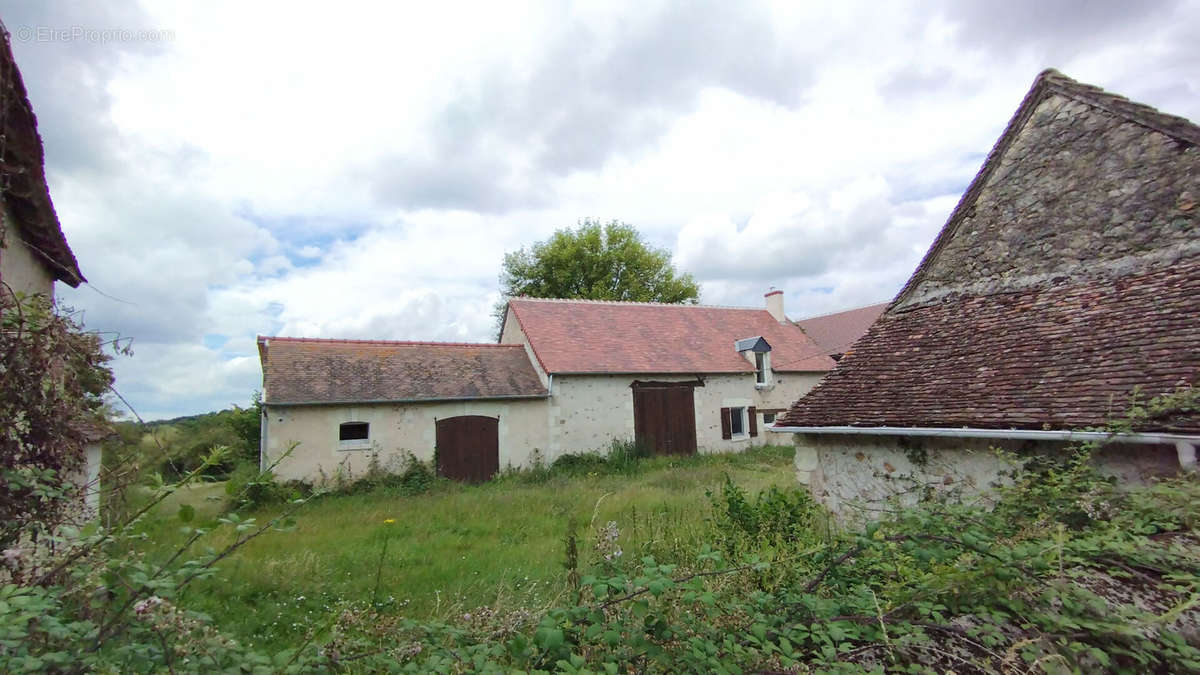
(1065, 282)
(581, 336)
(309, 370)
(1062, 358)
(837, 332)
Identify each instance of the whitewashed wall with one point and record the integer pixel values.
(19, 267)
(589, 411)
(855, 476)
(394, 430)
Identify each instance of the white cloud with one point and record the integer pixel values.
(360, 171)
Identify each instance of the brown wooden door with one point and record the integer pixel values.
(664, 417)
(468, 447)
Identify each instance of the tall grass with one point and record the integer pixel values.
(458, 547)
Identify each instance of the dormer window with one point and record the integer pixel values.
(757, 351)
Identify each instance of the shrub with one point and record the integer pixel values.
(52, 377)
(625, 456)
(252, 489)
(416, 478)
(576, 464)
(773, 518)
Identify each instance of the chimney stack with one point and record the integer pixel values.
(775, 305)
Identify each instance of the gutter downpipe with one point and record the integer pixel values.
(262, 439)
(1185, 445)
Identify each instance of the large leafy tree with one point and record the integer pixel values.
(595, 261)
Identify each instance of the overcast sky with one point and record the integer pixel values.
(227, 169)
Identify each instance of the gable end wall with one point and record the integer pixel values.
(20, 268)
(1079, 192)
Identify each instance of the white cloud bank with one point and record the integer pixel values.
(353, 171)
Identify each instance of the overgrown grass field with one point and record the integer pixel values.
(455, 548)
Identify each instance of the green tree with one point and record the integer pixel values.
(595, 261)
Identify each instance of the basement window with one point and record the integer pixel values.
(354, 435)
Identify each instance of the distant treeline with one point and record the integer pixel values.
(176, 446)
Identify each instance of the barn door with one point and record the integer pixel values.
(468, 447)
(664, 417)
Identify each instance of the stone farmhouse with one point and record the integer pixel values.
(33, 250)
(568, 376)
(1065, 285)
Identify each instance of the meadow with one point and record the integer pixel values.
(441, 554)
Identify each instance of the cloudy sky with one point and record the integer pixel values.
(227, 169)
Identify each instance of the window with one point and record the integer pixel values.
(737, 421)
(768, 418)
(354, 435)
(760, 366)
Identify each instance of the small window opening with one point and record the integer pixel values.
(760, 365)
(354, 431)
(737, 421)
(768, 418)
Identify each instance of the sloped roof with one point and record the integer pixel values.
(28, 196)
(836, 332)
(585, 336)
(1066, 278)
(314, 371)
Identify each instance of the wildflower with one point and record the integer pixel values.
(144, 607)
(388, 521)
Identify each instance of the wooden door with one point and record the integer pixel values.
(664, 417)
(468, 447)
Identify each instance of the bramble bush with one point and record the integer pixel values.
(52, 377)
(1067, 573)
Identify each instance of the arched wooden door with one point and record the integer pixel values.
(468, 447)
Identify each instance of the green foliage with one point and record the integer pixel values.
(52, 377)
(625, 456)
(246, 424)
(173, 448)
(1028, 586)
(595, 261)
(782, 517)
(251, 489)
(406, 476)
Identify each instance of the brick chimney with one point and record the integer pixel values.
(775, 305)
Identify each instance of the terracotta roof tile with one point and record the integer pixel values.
(1066, 280)
(837, 332)
(307, 370)
(1061, 357)
(579, 336)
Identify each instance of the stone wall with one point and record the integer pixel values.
(1080, 192)
(589, 411)
(857, 475)
(394, 431)
(584, 413)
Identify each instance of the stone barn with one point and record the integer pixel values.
(1064, 287)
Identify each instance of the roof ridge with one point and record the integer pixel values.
(635, 303)
(401, 343)
(844, 311)
(1175, 126)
